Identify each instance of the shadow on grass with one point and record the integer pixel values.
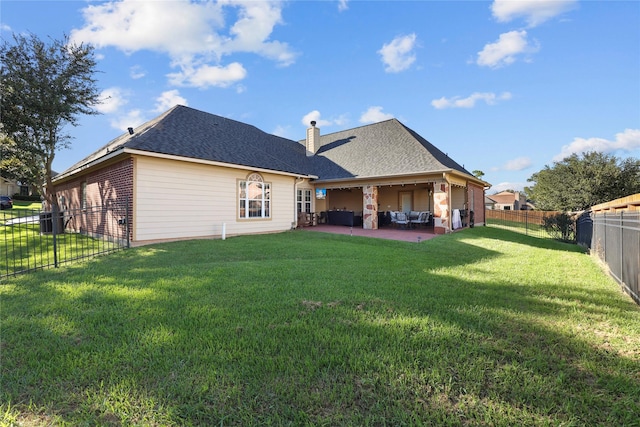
(312, 328)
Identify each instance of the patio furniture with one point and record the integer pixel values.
(422, 219)
(402, 220)
(393, 218)
(344, 218)
(307, 219)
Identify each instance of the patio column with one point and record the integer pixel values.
(441, 208)
(370, 207)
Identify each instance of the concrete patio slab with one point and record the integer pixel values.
(407, 235)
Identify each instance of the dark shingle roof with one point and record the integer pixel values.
(186, 132)
(382, 149)
(386, 148)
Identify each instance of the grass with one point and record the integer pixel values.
(24, 248)
(481, 327)
(21, 204)
(530, 229)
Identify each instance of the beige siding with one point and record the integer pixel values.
(177, 200)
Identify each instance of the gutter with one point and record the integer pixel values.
(123, 150)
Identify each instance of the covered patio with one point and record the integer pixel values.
(390, 233)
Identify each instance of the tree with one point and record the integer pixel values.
(478, 173)
(579, 182)
(45, 87)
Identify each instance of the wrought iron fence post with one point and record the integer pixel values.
(54, 233)
(622, 246)
(127, 221)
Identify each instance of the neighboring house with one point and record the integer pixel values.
(509, 201)
(9, 187)
(489, 203)
(190, 174)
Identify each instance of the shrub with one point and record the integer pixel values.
(560, 226)
(33, 198)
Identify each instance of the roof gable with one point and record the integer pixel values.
(186, 132)
(381, 149)
(191, 133)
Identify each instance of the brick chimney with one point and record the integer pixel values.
(313, 139)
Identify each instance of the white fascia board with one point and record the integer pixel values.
(214, 163)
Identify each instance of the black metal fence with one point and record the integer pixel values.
(34, 239)
(616, 241)
(526, 222)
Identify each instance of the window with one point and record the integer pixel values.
(473, 200)
(254, 197)
(83, 195)
(303, 200)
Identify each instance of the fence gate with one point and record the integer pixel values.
(35, 239)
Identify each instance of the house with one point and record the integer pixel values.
(509, 200)
(8, 187)
(191, 174)
(489, 203)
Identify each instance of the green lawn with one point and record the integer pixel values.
(480, 327)
(23, 247)
(21, 204)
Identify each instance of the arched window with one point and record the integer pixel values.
(254, 196)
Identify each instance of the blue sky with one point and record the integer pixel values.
(505, 87)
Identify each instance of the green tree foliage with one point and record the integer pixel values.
(560, 226)
(580, 181)
(45, 88)
(478, 173)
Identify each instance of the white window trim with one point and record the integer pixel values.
(253, 182)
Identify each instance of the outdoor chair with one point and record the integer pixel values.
(422, 219)
(402, 220)
(393, 217)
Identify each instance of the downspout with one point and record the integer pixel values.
(449, 198)
(297, 180)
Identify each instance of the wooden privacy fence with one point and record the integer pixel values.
(527, 222)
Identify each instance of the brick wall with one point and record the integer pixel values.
(477, 195)
(109, 188)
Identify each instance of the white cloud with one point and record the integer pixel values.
(518, 164)
(282, 131)
(535, 12)
(625, 141)
(168, 99)
(469, 102)
(374, 115)
(192, 34)
(253, 28)
(516, 186)
(343, 5)
(132, 118)
(137, 72)
(112, 99)
(506, 49)
(398, 54)
(207, 75)
(315, 116)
